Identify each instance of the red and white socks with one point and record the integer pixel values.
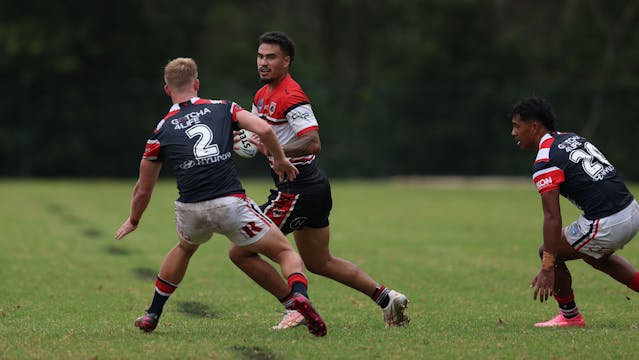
(567, 306)
(298, 283)
(163, 289)
(380, 296)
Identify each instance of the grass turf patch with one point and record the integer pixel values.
(463, 254)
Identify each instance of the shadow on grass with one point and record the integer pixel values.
(145, 274)
(253, 352)
(195, 308)
(61, 212)
(117, 250)
(92, 233)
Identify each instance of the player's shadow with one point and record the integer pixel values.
(195, 308)
(253, 352)
(145, 274)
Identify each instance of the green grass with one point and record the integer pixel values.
(464, 255)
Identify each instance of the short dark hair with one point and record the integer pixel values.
(278, 38)
(535, 108)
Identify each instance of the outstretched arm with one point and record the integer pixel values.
(543, 283)
(149, 172)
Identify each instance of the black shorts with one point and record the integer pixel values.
(300, 206)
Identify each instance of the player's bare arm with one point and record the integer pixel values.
(149, 172)
(543, 283)
(281, 165)
(306, 144)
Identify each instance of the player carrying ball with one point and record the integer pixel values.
(571, 166)
(302, 205)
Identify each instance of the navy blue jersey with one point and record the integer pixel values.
(568, 162)
(196, 139)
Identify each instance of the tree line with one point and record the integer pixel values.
(399, 87)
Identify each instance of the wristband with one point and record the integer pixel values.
(548, 261)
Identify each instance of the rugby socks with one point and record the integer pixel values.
(299, 285)
(634, 284)
(380, 296)
(567, 306)
(163, 289)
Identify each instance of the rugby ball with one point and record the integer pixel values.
(242, 146)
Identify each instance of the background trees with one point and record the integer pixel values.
(400, 87)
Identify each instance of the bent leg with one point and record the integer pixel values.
(312, 244)
(563, 280)
(615, 266)
(177, 261)
(276, 247)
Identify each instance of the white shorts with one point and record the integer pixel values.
(604, 236)
(235, 216)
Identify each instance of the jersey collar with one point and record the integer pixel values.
(544, 138)
(193, 100)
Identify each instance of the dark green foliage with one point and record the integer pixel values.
(399, 87)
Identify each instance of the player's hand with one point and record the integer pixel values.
(125, 228)
(543, 284)
(255, 140)
(284, 169)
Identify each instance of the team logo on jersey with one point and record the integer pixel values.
(271, 108)
(260, 104)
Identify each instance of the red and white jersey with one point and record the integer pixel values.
(288, 110)
(581, 173)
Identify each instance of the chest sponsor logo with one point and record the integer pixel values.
(260, 104)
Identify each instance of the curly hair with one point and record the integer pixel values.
(535, 108)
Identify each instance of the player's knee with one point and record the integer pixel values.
(316, 267)
(188, 249)
(236, 255)
(599, 264)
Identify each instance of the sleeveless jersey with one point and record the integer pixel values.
(568, 162)
(288, 110)
(196, 138)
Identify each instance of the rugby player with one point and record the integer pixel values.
(196, 139)
(302, 205)
(571, 166)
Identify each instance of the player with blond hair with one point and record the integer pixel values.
(195, 139)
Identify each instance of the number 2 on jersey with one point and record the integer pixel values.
(592, 160)
(203, 147)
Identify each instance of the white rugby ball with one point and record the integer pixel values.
(242, 146)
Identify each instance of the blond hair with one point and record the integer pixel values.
(180, 73)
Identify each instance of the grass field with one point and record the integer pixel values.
(464, 254)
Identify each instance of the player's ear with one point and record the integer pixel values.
(196, 85)
(287, 61)
(167, 90)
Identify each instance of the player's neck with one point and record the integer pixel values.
(275, 83)
(178, 98)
